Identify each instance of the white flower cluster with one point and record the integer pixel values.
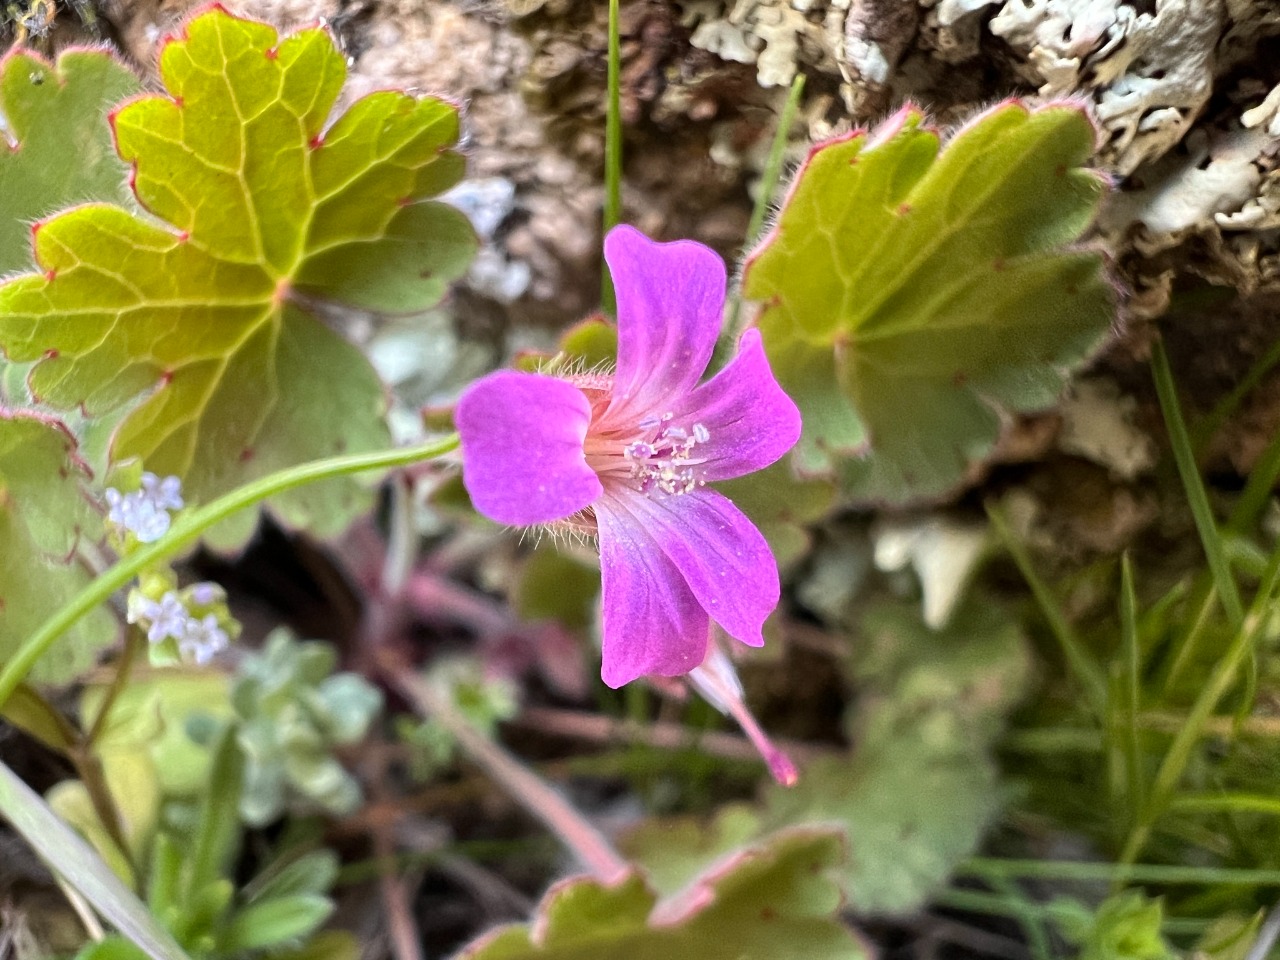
(145, 512)
(198, 636)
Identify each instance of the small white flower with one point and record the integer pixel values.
(164, 493)
(202, 638)
(163, 618)
(176, 616)
(145, 512)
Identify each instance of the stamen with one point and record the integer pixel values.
(657, 455)
(663, 458)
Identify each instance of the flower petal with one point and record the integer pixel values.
(653, 624)
(522, 459)
(670, 308)
(751, 421)
(721, 555)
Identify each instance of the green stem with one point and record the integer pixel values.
(186, 530)
(612, 152)
(93, 777)
(132, 647)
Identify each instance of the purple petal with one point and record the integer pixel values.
(721, 555)
(522, 459)
(751, 421)
(653, 624)
(670, 308)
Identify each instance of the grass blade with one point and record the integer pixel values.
(1078, 658)
(1227, 803)
(769, 179)
(1203, 604)
(1131, 687)
(67, 854)
(1222, 411)
(612, 153)
(1078, 871)
(218, 833)
(1251, 630)
(772, 172)
(1257, 489)
(1193, 484)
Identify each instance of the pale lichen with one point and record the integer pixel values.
(767, 33)
(944, 552)
(1098, 424)
(1149, 72)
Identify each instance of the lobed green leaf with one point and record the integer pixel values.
(203, 321)
(774, 900)
(919, 789)
(43, 515)
(912, 293)
(911, 810)
(60, 149)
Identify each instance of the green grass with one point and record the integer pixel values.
(612, 153)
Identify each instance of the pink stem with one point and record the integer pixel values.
(520, 783)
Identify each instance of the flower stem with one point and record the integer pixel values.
(88, 766)
(187, 529)
(520, 783)
(132, 648)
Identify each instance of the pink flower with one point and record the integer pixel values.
(630, 456)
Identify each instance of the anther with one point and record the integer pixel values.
(665, 459)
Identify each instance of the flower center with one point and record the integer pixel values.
(656, 455)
